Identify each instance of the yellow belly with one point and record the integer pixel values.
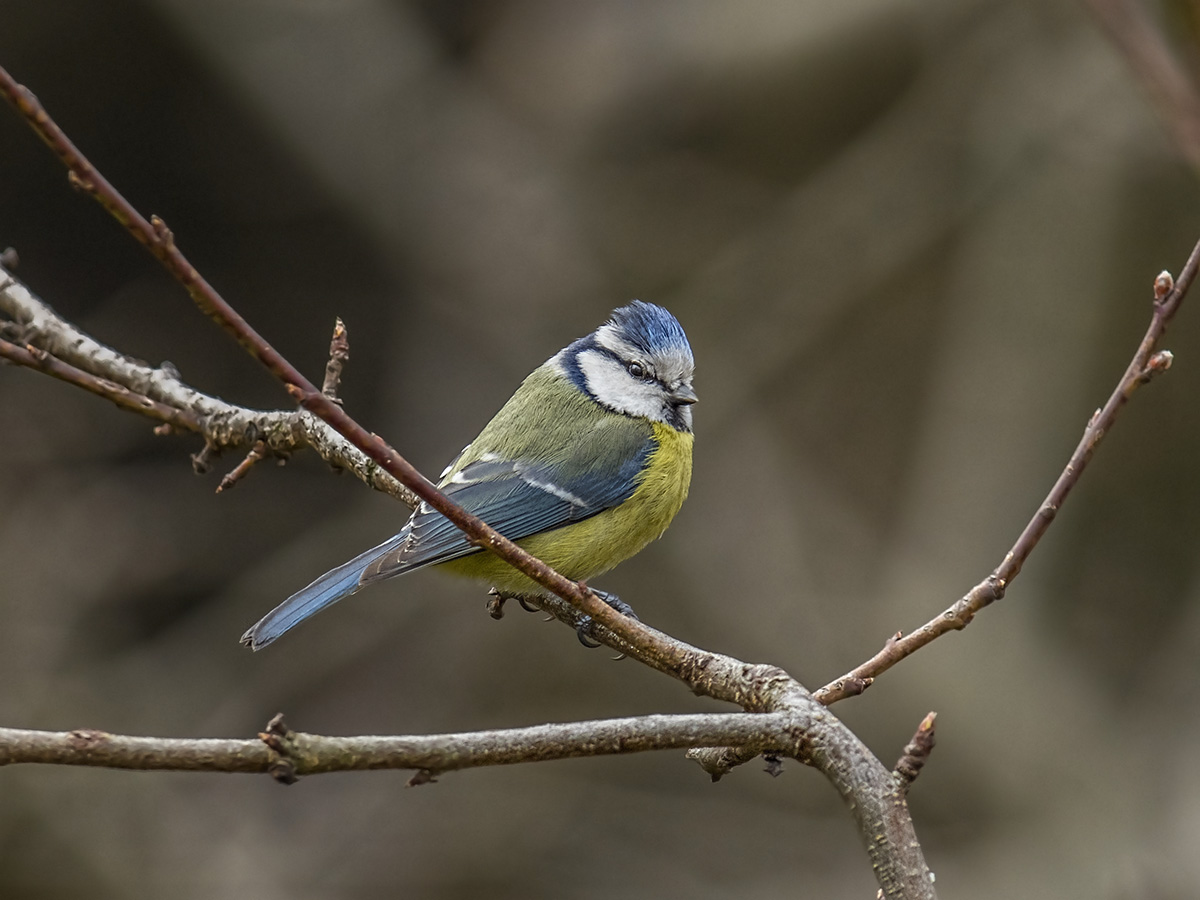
(589, 548)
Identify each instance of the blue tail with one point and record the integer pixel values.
(329, 588)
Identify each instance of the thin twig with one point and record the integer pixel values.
(1168, 295)
(916, 752)
(339, 352)
(231, 478)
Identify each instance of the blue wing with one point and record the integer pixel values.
(516, 497)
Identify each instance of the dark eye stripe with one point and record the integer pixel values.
(629, 366)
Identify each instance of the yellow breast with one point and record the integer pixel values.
(589, 548)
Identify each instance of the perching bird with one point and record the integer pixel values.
(587, 463)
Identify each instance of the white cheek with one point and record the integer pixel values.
(615, 388)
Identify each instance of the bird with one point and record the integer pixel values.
(587, 463)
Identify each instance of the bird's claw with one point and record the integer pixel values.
(524, 603)
(583, 630)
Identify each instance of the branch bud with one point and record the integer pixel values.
(1163, 285)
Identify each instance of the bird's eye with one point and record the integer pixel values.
(637, 370)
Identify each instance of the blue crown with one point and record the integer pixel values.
(650, 328)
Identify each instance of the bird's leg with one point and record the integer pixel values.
(583, 628)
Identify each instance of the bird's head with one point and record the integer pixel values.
(638, 363)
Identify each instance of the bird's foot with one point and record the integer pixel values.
(583, 628)
(616, 603)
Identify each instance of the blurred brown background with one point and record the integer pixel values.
(912, 244)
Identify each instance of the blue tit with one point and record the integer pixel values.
(586, 464)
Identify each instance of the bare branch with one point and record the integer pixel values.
(52, 345)
(1146, 362)
(804, 730)
(312, 754)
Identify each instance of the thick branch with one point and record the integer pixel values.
(805, 731)
(314, 754)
